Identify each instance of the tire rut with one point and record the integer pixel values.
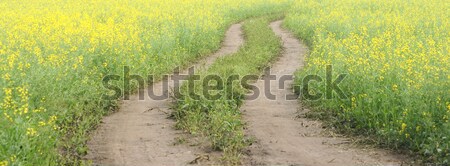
(283, 138)
(140, 133)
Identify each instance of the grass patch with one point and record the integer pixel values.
(219, 119)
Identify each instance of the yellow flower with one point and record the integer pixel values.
(41, 123)
(394, 87)
(52, 119)
(31, 131)
(8, 117)
(353, 102)
(403, 127)
(4, 163)
(7, 77)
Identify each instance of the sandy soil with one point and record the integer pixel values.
(140, 133)
(284, 138)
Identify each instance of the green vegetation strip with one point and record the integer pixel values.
(219, 119)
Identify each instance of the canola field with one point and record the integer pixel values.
(396, 55)
(54, 54)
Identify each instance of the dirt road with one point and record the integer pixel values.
(284, 139)
(140, 132)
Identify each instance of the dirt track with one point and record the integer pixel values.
(284, 139)
(140, 132)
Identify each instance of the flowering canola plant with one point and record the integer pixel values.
(396, 55)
